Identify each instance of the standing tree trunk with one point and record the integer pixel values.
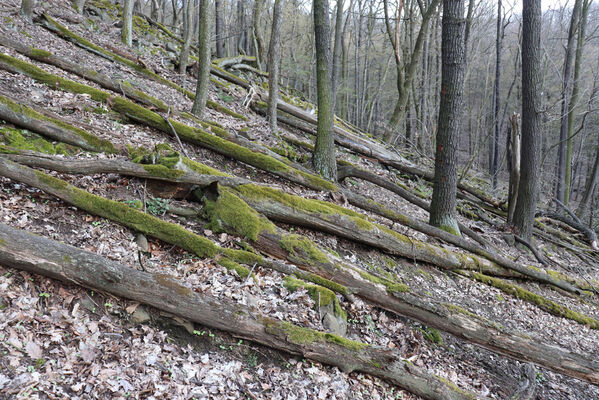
(78, 5)
(531, 98)
(337, 50)
(582, 25)
(27, 9)
(494, 153)
(220, 34)
(126, 31)
(443, 205)
(241, 26)
(188, 13)
(323, 158)
(514, 168)
(566, 89)
(273, 65)
(257, 33)
(199, 103)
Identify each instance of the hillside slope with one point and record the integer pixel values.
(71, 342)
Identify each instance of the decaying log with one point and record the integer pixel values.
(588, 232)
(35, 254)
(377, 291)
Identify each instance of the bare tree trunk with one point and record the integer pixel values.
(189, 17)
(323, 157)
(27, 9)
(199, 103)
(494, 142)
(257, 32)
(443, 211)
(339, 37)
(531, 90)
(126, 31)
(514, 168)
(566, 89)
(219, 29)
(582, 24)
(273, 65)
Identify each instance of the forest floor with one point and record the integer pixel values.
(60, 340)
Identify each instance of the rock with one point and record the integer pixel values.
(140, 316)
(332, 323)
(142, 243)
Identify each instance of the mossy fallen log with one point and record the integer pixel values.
(35, 254)
(379, 291)
(185, 132)
(55, 27)
(26, 117)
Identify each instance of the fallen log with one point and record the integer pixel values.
(252, 156)
(26, 117)
(378, 291)
(38, 255)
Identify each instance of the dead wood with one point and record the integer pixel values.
(449, 318)
(588, 232)
(39, 255)
(26, 117)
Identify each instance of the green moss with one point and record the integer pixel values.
(391, 286)
(305, 336)
(244, 257)
(38, 53)
(2, 242)
(321, 296)
(127, 216)
(229, 212)
(261, 193)
(303, 248)
(449, 229)
(87, 140)
(160, 171)
(224, 110)
(53, 81)
(455, 388)
(543, 303)
(432, 335)
(319, 280)
(242, 271)
(24, 140)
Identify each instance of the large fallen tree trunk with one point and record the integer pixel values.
(380, 292)
(39, 255)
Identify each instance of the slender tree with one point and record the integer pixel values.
(574, 97)
(188, 12)
(337, 50)
(323, 157)
(494, 142)
(443, 205)
(273, 64)
(565, 101)
(219, 28)
(199, 103)
(257, 31)
(127, 29)
(531, 98)
(27, 9)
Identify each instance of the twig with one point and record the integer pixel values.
(532, 248)
(174, 131)
(250, 274)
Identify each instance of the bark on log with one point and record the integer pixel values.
(449, 318)
(21, 250)
(26, 117)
